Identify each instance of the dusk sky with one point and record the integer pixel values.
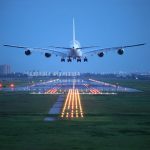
(106, 23)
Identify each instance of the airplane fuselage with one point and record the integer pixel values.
(75, 53)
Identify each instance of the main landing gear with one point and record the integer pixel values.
(78, 60)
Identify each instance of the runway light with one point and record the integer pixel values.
(12, 85)
(1, 85)
(51, 91)
(72, 106)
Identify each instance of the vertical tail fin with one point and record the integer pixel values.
(73, 31)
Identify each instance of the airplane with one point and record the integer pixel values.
(75, 51)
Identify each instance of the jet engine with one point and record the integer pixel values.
(47, 55)
(120, 51)
(27, 52)
(101, 54)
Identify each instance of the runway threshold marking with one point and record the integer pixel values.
(51, 91)
(92, 90)
(95, 91)
(72, 107)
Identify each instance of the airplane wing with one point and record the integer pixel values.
(57, 53)
(87, 47)
(59, 47)
(68, 48)
(112, 48)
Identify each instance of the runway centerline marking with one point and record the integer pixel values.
(72, 107)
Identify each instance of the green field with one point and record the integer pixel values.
(119, 122)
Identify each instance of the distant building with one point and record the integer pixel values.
(5, 69)
(45, 73)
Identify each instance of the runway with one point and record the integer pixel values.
(68, 104)
(62, 86)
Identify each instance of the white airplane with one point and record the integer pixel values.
(74, 52)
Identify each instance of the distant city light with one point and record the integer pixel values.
(12, 85)
(1, 85)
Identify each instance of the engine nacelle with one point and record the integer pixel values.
(101, 54)
(27, 52)
(120, 51)
(47, 55)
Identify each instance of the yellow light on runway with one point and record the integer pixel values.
(72, 107)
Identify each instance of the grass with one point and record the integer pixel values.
(143, 85)
(119, 122)
(23, 103)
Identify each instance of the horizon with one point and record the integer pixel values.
(59, 71)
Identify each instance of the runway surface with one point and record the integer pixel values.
(56, 108)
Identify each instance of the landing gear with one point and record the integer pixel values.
(69, 60)
(85, 59)
(62, 59)
(78, 60)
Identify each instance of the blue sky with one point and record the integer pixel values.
(107, 23)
